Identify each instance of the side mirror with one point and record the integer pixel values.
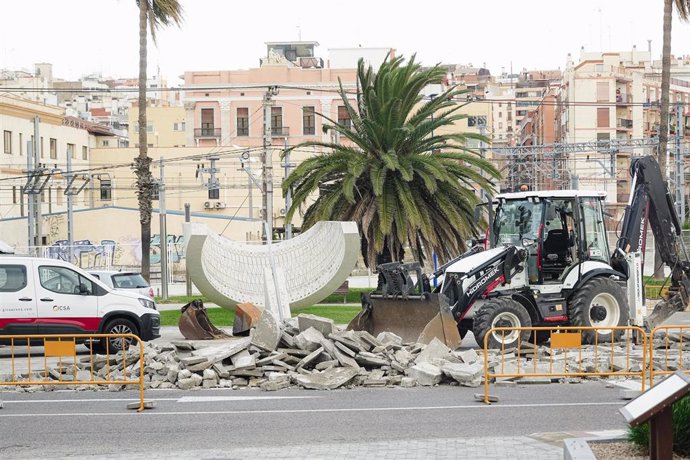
(83, 290)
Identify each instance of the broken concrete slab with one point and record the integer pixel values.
(220, 352)
(309, 358)
(389, 338)
(345, 360)
(425, 373)
(327, 380)
(434, 350)
(309, 339)
(469, 375)
(268, 332)
(324, 325)
(243, 360)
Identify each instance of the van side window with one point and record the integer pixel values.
(64, 281)
(12, 278)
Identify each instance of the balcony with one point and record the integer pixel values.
(280, 131)
(207, 133)
(623, 99)
(624, 123)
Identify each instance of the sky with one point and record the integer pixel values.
(82, 37)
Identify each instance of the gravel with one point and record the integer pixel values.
(622, 449)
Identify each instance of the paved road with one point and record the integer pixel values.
(367, 423)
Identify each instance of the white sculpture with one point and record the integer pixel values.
(309, 267)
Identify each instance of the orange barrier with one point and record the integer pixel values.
(568, 340)
(669, 340)
(63, 347)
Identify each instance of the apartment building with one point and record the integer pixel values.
(166, 126)
(59, 139)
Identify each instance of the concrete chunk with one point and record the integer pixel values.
(310, 339)
(327, 380)
(434, 350)
(267, 333)
(425, 373)
(309, 358)
(220, 352)
(324, 325)
(469, 375)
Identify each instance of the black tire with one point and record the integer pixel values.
(599, 302)
(542, 337)
(501, 312)
(118, 326)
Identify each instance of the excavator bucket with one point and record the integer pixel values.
(417, 318)
(664, 309)
(194, 323)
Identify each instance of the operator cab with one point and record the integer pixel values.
(558, 228)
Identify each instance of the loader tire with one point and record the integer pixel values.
(542, 337)
(600, 302)
(501, 312)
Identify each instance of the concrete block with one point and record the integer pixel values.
(323, 325)
(267, 333)
(425, 373)
(309, 340)
(469, 375)
(327, 380)
(434, 350)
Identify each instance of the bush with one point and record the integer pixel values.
(681, 429)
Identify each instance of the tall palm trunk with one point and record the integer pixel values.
(143, 162)
(663, 123)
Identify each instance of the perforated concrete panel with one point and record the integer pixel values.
(314, 263)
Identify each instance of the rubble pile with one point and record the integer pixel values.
(311, 352)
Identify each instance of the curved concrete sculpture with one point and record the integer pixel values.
(312, 265)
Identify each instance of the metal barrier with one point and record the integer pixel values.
(671, 343)
(606, 359)
(101, 368)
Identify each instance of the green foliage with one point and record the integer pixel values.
(403, 173)
(181, 299)
(353, 296)
(681, 429)
(221, 317)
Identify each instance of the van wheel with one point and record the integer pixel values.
(600, 302)
(501, 312)
(118, 326)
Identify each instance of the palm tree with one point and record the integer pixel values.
(155, 13)
(400, 177)
(683, 9)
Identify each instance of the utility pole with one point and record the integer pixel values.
(187, 220)
(164, 232)
(37, 196)
(267, 165)
(288, 195)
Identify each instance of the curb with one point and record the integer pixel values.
(578, 448)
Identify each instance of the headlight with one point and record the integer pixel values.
(146, 303)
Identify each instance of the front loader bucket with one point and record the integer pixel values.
(195, 325)
(417, 318)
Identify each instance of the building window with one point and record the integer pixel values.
(84, 152)
(603, 137)
(72, 151)
(214, 194)
(180, 126)
(58, 195)
(602, 91)
(308, 121)
(242, 121)
(21, 144)
(602, 117)
(106, 143)
(344, 117)
(7, 135)
(500, 125)
(14, 194)
(599, 68)
(500, 114)
(106, 190)
(53, 149)
(277, 119)
(207, 122)
(476, 121)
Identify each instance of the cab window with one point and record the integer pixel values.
(64, 281)
(12, 278)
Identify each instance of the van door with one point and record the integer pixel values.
(66, 301)
(18, 313)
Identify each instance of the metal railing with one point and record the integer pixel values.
(59, 351)
(674, 357)
(207, 132)
(606, 359)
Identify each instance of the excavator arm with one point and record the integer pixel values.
(650, 204)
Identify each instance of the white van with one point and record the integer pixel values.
(49, 296)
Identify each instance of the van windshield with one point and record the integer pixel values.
(129, 280)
